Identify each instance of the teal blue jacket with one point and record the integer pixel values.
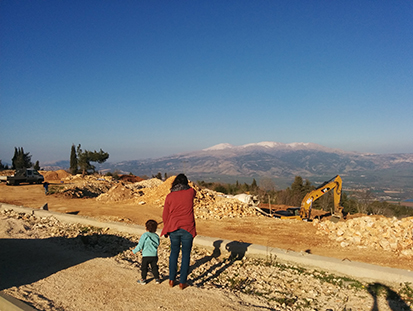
(148, 243)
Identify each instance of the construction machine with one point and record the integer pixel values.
(304, 212)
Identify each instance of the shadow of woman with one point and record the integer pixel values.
(237, 251)
(215, 254)
(24, 261)
(394, 301)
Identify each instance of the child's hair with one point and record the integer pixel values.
(151, 225)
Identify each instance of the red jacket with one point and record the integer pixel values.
(178, 212)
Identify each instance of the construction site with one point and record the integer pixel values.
(376, 240)
(131, 199)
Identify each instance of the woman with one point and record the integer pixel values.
(179, 225)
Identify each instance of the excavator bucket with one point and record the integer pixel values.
(335, 218)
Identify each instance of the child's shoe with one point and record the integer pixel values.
(157, 281)
(142, 282)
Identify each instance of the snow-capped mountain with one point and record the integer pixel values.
(278, 161)
(270, 145)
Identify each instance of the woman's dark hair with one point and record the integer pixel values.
(180, 179)
(151, 225)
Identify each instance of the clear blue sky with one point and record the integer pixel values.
(145, 79)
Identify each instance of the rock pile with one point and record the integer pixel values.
(84, 190)
(119, 192)
(211, 205)
(91, 178)
(208, 204)
(7, 172)
(381, 233)
(150, 183)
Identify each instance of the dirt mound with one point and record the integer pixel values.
(208, 204)
(118, 193)
(62, 174)
(55, 175)
(154, 191)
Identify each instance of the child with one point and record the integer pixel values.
(149, 243)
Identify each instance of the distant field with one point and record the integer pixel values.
(408, 204)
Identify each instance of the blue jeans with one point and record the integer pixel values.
(180, 238)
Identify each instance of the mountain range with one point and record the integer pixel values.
(281, 162)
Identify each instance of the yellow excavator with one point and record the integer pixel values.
(304, 212)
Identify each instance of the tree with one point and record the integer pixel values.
(267, 184)
(73, 160)
(297, 186)
(254, 186)
(21, 159)
(37, 165)
(267, 190)
(85, 157)
(365, 199)
(159, 176)
(297, 190)
(221, 188)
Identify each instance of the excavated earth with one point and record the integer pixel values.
(101, 273)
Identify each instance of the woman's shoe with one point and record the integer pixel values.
(183, 285)
(171, 283)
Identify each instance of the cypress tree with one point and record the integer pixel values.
(73, 160)
(21, 159)
(14, 159)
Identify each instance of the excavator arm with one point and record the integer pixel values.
(334, 184)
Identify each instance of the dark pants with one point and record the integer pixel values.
(153, 262)
(180, 239)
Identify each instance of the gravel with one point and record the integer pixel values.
(260, 284)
